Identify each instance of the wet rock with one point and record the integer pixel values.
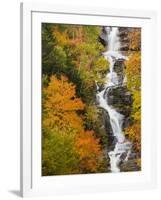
(124, 47)
(105, 130)
(106, 120)
(127, 122)
(103, 37)
(123, 34)
(130, 165)
(123, 29)
(119, 97)
(103, 126)
(124, 40)
(119, 67)
(112, 142)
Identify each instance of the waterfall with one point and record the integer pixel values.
(122, 148)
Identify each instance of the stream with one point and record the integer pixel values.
(122, 146)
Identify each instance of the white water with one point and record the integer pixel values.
(122, 146)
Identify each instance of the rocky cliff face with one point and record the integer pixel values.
(121, 99)
(123, 33)
(118, 96)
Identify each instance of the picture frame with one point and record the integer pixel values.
(32, 183)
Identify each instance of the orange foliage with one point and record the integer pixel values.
(133, 70)
(135, 39)
(70, 37)
(60, 104)
(89, 151)
(134, 63)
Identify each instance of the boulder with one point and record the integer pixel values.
(119, 97)
(119, 67)
(103, 127)
(124, 40)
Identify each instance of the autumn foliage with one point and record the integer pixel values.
(89, 151)
(133, 71)
(74, 139)
(134, 37)
(60, 105)
(67, 147)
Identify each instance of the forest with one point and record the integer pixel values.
(75, 137)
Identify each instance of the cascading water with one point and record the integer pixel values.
(122, 145)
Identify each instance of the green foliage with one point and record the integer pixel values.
(74, 51)
(91, 116)
(59, 155)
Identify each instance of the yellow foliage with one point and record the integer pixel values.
(136, 112)
(139, 162)
(62, 38)
(134, 134)
(60, 105)
(133, 70)
(91, 113)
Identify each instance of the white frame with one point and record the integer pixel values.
(32, 184)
